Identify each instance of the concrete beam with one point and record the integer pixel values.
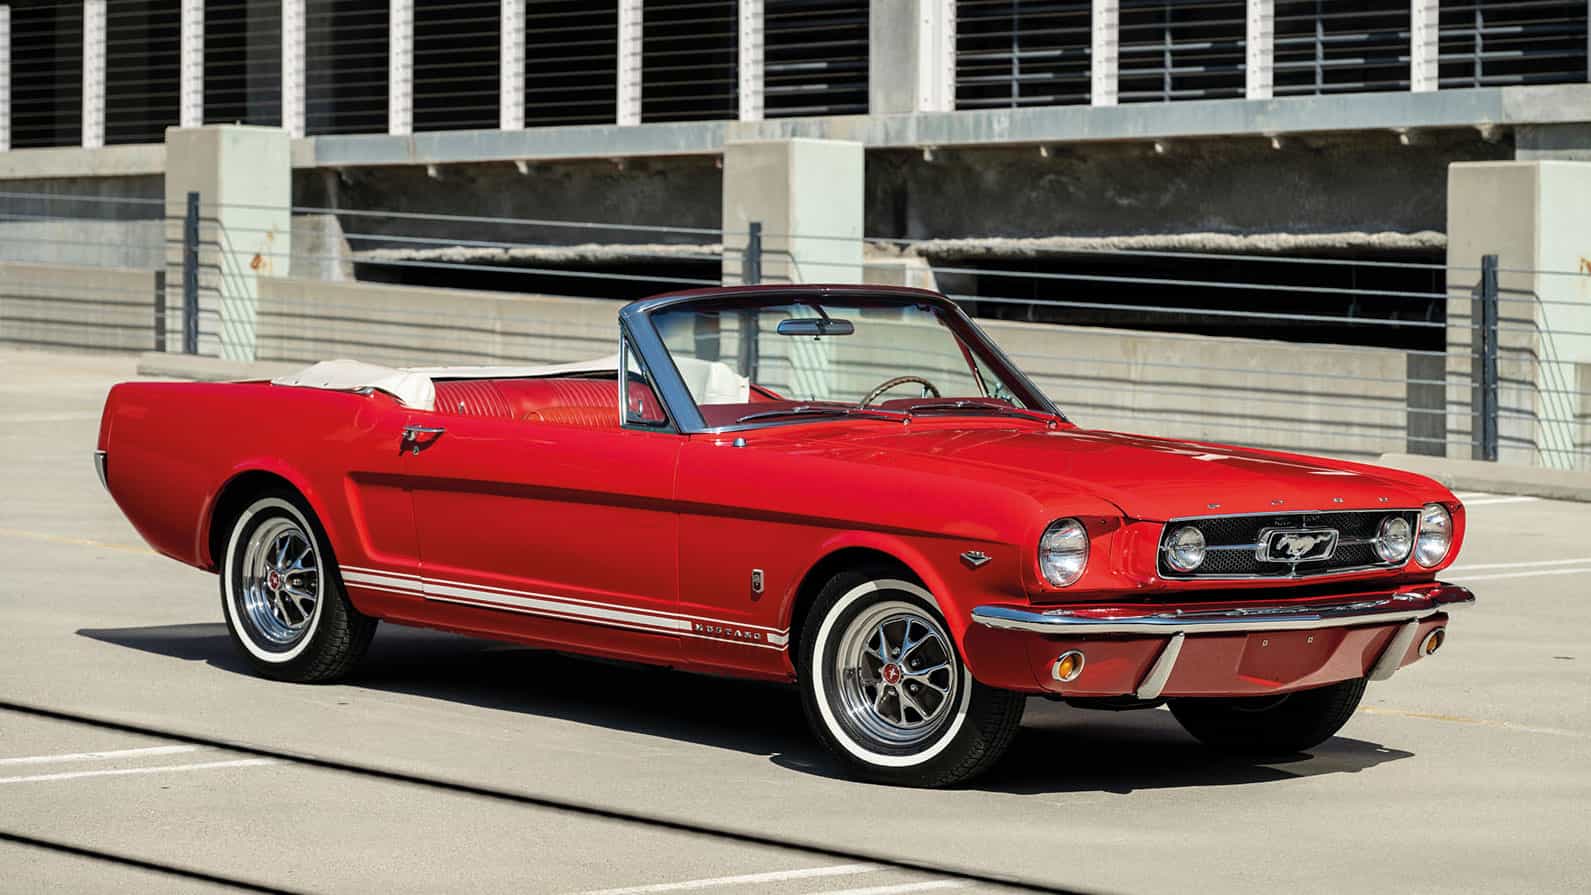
(1425, 38)
(1495, 108)
(808, 196)
(1260, 49)
(629, 77)
(911, 62)
(750, 59)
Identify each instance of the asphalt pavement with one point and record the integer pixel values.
(463, 765)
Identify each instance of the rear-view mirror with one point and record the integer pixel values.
(815, 326)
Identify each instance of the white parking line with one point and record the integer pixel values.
(162, 769)
(1493, 501)
(110, 755)
(744, 879)
(903, 887)
(1536, 574)
(1465, 567)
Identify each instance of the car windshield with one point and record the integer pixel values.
(808, 359)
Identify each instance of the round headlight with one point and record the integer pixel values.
(1436, 535)
(1063, 552)
(1394, 539)
(1185, 549)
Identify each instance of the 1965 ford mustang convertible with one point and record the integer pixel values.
(850, 488)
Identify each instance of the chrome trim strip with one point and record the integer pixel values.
(100, 461)
(1392, 657)
(1372, 610)
(1154, 682)
(1285, 512)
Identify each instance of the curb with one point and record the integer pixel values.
(210, 369)
(1497, 478)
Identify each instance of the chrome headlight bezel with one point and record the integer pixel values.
(1386, 539)
(1182, 553)
(1063, 552)
(1435, 536)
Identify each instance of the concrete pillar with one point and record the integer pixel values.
(400, 67)
(511, 67)
(244, 179)
(191, 70)
(293, 67)
(93, 74)
(911, 63)
(1531, 214)
(5, 78)
(629, 76)
(1260, 49)
(808, 196)
(1425, 38)
(1105, 47)
(750, 59)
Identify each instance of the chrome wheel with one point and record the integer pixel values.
(278, 583)
(897, 677)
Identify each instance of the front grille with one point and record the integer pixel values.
(1232, 543)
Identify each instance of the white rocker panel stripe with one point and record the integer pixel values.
(560, 607)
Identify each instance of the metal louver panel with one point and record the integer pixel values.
(46, 74)
(1341, 46)
(456, 47)
(689, 60)
(1022, 53)
(815, 57)
(1172, 49)
(571, 62)
(243, 62)
(143, 42)
(1488, 43)
(345, 52)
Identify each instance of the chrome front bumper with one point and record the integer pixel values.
(1407, 608)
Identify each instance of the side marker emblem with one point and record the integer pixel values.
(756, 581)
(975, 558)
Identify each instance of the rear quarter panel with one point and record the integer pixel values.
(173, 447)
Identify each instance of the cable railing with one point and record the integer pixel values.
(1493, 370)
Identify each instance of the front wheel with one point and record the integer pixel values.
(886, 691)
(283, 600)
(1271, 725)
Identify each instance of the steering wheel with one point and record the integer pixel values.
(891, 383)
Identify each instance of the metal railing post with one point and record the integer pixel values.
(751, 265)
(160, 310)
(190, 277)
(1486, 435)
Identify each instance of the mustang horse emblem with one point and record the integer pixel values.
(1295, 546)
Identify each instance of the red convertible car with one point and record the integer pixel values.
(846, 487)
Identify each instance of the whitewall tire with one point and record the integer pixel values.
(282, 597)
(885, 688)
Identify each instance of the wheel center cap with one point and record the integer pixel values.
(274, 580)
(890, 674)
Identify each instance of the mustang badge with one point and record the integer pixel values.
(1296, 545)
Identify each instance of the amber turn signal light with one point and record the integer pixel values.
(1433, 641)
(1068, 666)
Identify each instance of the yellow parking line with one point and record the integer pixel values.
(81, 542)
(1477, 722)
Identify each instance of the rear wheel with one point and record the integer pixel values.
(886, 691)
(1271, 725)
(283, 599)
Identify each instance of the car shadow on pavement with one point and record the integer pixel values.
(1059, 749)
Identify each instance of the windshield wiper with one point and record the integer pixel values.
(987, 408)
(813, 410)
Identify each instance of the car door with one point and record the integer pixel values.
(559, 533)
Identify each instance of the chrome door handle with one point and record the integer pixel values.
(413, 433)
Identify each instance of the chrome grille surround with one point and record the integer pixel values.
(1234, 543)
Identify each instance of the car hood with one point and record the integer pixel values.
(1147, 478)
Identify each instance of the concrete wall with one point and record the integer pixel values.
(406, 326)
(53, 306)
